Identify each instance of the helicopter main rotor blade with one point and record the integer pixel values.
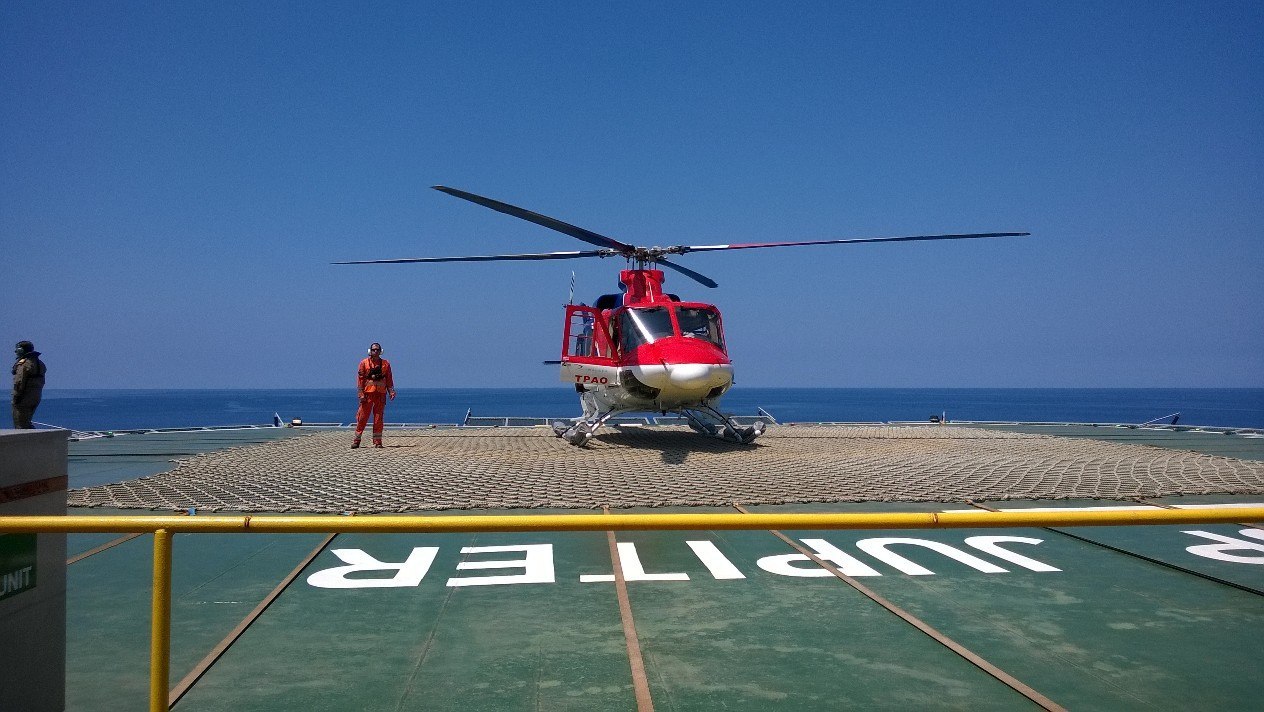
(488, 258)
(699, 278)
(908, 238)
(578, 233)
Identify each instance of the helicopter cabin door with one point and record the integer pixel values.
(587, 356)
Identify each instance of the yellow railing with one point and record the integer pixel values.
(413, 524)
(164, 527)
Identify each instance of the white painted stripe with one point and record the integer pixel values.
(1218, 506)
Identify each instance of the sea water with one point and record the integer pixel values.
(106, 409)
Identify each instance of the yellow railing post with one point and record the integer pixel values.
(160, 626)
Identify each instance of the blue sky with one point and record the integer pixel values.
(177, 177)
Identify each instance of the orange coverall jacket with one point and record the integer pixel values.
(366, 384)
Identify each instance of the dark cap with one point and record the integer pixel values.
(25, 346)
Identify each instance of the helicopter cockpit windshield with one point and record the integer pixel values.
(639, 326)
(700, 324)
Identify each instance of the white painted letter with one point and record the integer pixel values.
(537, 565)
(877, 548)
(408, 573)
(1228, 543)
(988, 545)
(846, 563)
(632, 568)
(718, 564)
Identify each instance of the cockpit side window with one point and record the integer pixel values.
(641, 326)
(700, 324)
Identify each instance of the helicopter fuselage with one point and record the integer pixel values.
(645, 350)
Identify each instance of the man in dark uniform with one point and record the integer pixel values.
(28, 384)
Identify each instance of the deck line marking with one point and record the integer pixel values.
(108, 545)
(428, 645)
(1009, 680)
(1143, 557)
(640, 683)
(205, 664)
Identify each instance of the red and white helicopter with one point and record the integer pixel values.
(644, 349)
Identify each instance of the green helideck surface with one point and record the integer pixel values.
(1106, 631)
(432, 646)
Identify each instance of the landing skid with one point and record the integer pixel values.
(709, 421)
(702, 419)
(582, 429)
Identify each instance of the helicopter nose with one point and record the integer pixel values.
(691, 375)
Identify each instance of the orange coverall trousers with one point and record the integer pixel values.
(374, 403)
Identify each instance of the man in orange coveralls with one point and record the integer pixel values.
(374, 383)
